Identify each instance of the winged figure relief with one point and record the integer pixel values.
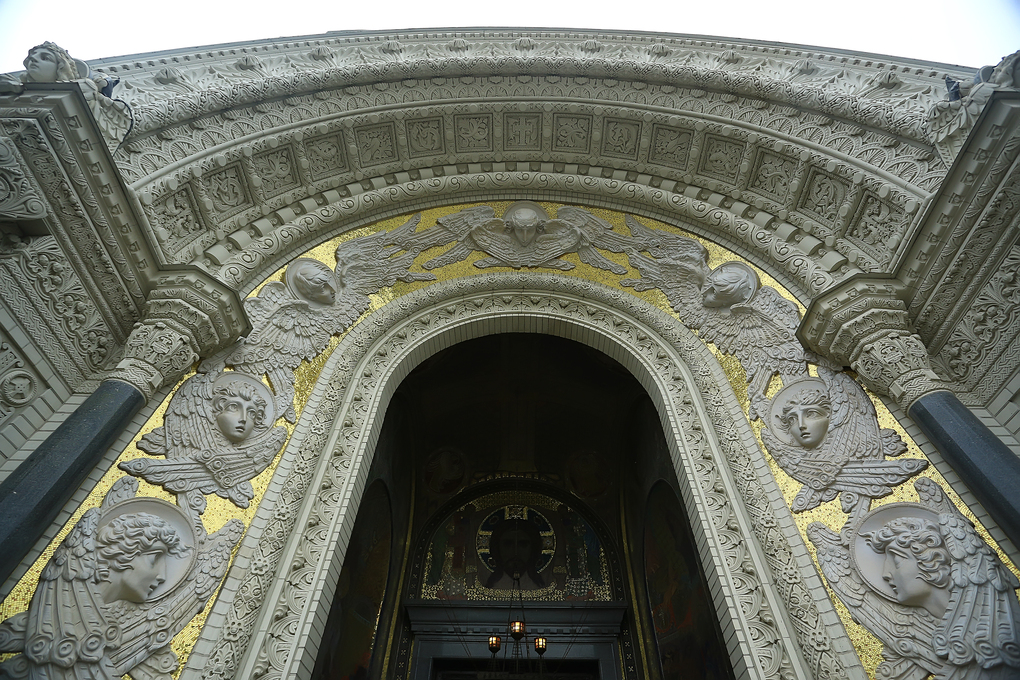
(824, 433)
(128, 577)
(217, 435)
(292, 321)
(920, 578)
(524, 237)
(727, 305)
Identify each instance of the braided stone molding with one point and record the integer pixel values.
(890, 94)
(897, 364)
(262, 624)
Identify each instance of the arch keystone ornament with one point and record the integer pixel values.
(783, 626)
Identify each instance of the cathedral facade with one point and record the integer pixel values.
(342, 356)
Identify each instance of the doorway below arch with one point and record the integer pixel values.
(552, 448)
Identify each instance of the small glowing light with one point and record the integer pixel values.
(516, 629)
(540, 645)
(494, 641)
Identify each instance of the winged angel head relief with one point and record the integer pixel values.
(920, 578)
(128, 577)
(216, 436)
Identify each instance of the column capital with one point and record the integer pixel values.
(863, 323)
(188, 315)
(896, 363)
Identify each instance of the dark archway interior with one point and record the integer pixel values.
(523, 414)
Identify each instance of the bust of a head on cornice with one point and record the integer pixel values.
(49, 63)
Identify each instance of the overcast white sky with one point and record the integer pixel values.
(964, 32)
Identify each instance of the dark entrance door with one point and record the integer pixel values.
(472, 669)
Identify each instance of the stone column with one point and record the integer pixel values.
(188, 316)
(863, 324)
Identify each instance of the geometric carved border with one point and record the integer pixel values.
(268, 619)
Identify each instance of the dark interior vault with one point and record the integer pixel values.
(554, 451)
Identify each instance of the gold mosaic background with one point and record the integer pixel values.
(219, 510)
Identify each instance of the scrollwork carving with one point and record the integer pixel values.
(19, 200)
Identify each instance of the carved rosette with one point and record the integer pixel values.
(896, 363)
(156, 353)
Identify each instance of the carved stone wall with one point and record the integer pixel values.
(298, 536)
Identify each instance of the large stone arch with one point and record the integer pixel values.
(775, 616)
(740, 141)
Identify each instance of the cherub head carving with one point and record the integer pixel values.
(49, 63)
(131, 553)
(238, 406)
(917, 565)
(805, 415)
(729, 284)
(801, 413)
(313, 281)
(524, 219)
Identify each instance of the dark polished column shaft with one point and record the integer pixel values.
(33, 495)
(988, 467)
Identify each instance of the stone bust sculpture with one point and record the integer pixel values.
(49, 63)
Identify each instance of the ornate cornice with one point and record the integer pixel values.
(879, 92)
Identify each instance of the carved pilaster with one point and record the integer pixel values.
(896, 363)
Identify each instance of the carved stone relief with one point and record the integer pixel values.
(524, 237)
(824, 433)
(352, 399)
(217, 436)
(473, 132)
(19, 199)
(50, 63)
(128, 577)
(293, 321)
(921, 579)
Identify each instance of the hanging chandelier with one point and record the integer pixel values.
(517, 634)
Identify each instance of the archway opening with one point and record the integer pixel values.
(561, 441)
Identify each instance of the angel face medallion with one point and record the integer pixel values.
(801, 412)
(901, 554)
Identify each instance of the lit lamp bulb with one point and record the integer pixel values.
(516, 629)
(540, 645)
(494, 641)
